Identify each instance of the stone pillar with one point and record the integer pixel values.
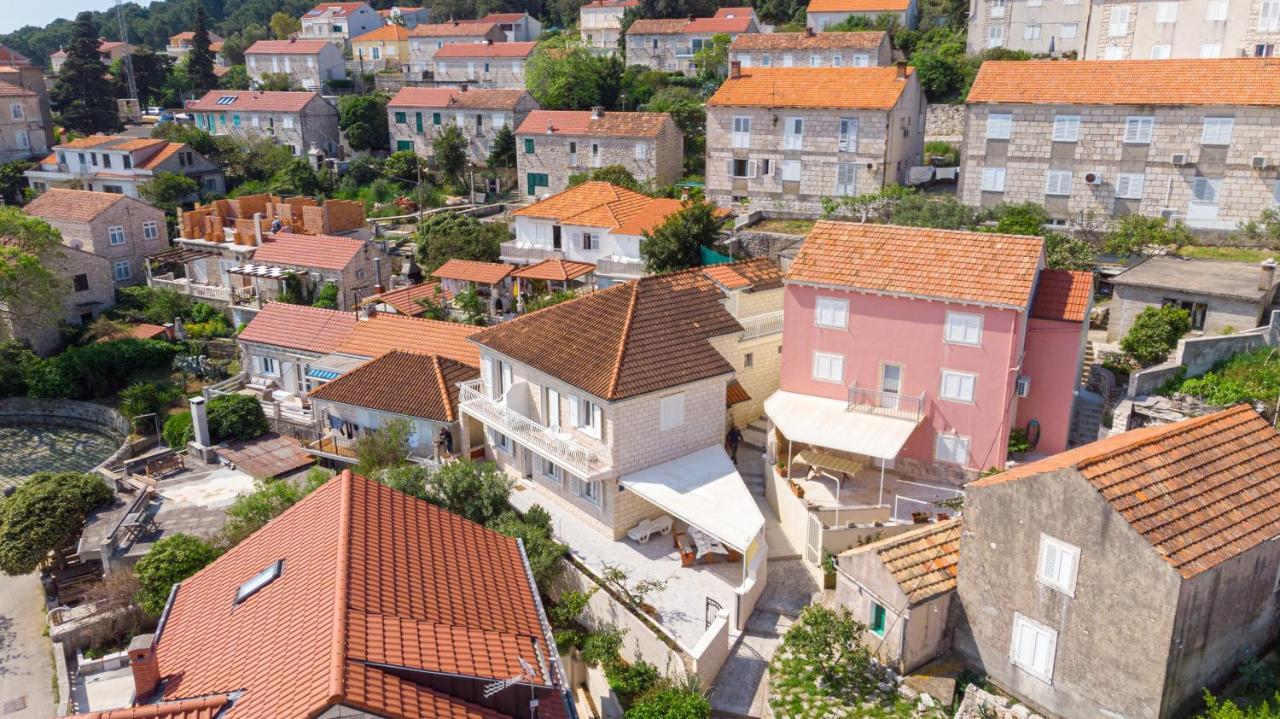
(200, 422)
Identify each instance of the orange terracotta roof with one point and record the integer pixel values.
(387, 33)
(453, 29)
(630, 339)
(1201, 491)
(406, 299)
(145, 331)
(600, 204)
(375, 588)
(859, 6)
(71, 205)
(91, 141)
(502, 17)
(414, 385)
(10, 90)
(325, 252)
(605, 4)
(924, 562)
(254, 100)
(340, 9)
(868, 40)
(978, 267)
(141, 143)
(300, 327)
(554, 270)
(169, 150)
(582, 122)
(484, 273)
(735, 393)
(760, 273)
(851, 88)
(209, 707)
(729, 24)
(385, 333)
(1240, 81)
(731, 12)
(191, 35)
(1063, 295)
(9, 56)
(450, 98)
(481, 49)
(287, 47)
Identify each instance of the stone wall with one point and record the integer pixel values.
(68, 413)
(944, 123)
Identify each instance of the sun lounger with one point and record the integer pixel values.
(648, 527)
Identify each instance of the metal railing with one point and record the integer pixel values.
(582, 460)
(886, 404)
(761, 325)
(193, 289)
(514, 252)
(615, 268)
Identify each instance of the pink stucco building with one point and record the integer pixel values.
(918, 351)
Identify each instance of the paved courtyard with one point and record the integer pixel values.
(26, 656)
(26, 450)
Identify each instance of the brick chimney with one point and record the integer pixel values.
(597, 112)
(146, 670)
(735, 69)
(1268, 275)
(902, 69)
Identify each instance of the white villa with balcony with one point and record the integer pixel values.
(595, 222)
(610, 410)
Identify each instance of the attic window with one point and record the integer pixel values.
(226, 99)
(259, 580)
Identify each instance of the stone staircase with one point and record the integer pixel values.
(1090, 357)
(753, 444)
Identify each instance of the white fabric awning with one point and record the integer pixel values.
(705, 490)
(276, 273)
(829, 423)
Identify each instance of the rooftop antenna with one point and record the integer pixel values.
(128, 58)
(526, 674)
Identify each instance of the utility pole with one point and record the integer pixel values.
(128, 57)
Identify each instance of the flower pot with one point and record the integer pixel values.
(649, 609)
(796, 489)
(829, 581)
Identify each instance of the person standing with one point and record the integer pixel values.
(732, 440)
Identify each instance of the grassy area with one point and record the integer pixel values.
(1246, 377)
(1234, 254)
(786, 227)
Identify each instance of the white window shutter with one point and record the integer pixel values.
(1050, 562)
(486, 370)
(506, 376)
(751, 168)
(575, 408)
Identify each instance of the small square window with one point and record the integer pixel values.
(963, 329)
(831, 312)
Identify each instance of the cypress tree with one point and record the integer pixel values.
(200, 59)
(82, 94)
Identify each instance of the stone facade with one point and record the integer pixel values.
(657, 160)
(138, 230)
(819, 21)
(31, 78)
(600, 24)
(337, 26)
(1167, 189)
(481, 71)
(415, 128)
(1222, 314)
(316, 125)
(1029, 26)
(756, 354)
(90, 292)
(818, 57)
(754, 177)
(22, 128)
(309, 70)
(426, 39)
(1142, 29)
(668, 52)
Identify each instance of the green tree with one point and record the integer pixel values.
(236, 416)
(296, 178)
(30, 291)
(1142, 235)
(450, 148)
(150, 74)
(534, 531)
(278, 82)
(326, 297)
(474, 310)
(13, 181)
(572, 78)
(823, 657)
(1154, 333)
(712, 59)
(199, 60)
(676, 244)
(405, 167)
(14, 360)
(236, 78)
(46, 513)
(178, 430)
(385, 447)
(689, 113)
(613, 174)
(433, 309)
(1024, 218)
(283, 25)
(250, 512)
(475, 490)
(173, 559)
(1065, 252)
(364, 120)
(447, 235)
(168, 190)
(502, 151)
(82, 94)
(237, 42)
(940, 212)
(142, 398)
(671, 703)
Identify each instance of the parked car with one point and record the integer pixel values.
(154, 110)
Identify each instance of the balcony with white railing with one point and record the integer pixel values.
(192, 289)
(763, 325)
(619, 268)
(513, 252)
(584, 461)
(886, 404)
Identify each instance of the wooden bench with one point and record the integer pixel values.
(164, 465)
(688, 554)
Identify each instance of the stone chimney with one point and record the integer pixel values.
(1268, 275)
(735, 69)
(692, 17)
(377, 275)
(146, 670)
(200, 422)
(808, 31)
(902, 69)
(597, 112)
(257, 229)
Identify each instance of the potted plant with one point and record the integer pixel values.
(828, 570)
(796, 489)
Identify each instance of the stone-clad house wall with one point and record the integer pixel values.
(477, 139)
(669, 52)
(503, 72)
(131, 215)
(316, 125)
(663, 162)
(878, 57)
(1222, 314)
(310, 71)
(1030, 153)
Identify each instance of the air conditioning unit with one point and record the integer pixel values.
(1169, 215)
(1258, 162)
(1179, 160)
(1093, 178)
(1023, 386)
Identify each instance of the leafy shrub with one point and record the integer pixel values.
(547, 300)
(236, 416)
(171, 560)
(629, 681)
(1018, 441)
(477, 491)
(1154, 333)
(1247, 377)
(46, 513)
(602, 648)
(326, 297)
(98, 369)
(534, 530)
(144, 398)
(250, 512)
(671, 703)
(178, 430)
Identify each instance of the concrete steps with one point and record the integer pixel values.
(754, 435)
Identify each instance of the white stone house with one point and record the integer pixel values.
(822, 14)
(417, 115)
(298, 120)
(1184, 139)
(120, 164)
(483, 64)
(425, 40)
(339, 22)
(812, 49)
(554, 144)
(515, 26)
(600, 23)
(22, 127)
(774, 143)
(309, 63)
(672, 45)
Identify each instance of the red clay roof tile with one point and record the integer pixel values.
(1063, 295)
(414, 385)
(310, 329)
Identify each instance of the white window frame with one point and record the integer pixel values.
(150, 230)
(1129, 185)
(848, 134)
(671, 411)
(831, 312)
(998, 8)
(828, 360)
(1118, 22)
(993, 179)
(1210, 50)
(952, 448)
(590, 491)
(815, 60)
(742, 131)
(15, 111)
(995, 35)
(585, 415)
(115, 235)
(999, 126)
(1026, 629)
(846, 179)
(963, 328)
(791, 139)
(792, 171)
(267, 366)
(1113, 52)
(862, 59)
(551, 407)
(954, 383)
(1217, 130)
(1269, 16)
(1031, 31)
(1057, 565)
(551, 471)
(1216, 11)
(1058, 183)
(1068, 30)
(1200, 184)
(1161, 52)
(1138, 129)
(1166, 13)
(642, 151)
(1066, 128)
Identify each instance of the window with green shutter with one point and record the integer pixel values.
(400, 118)
(402, 145)
(418, 117)
(877, 619)
(528, 146)
(536, 180)
(435, 118)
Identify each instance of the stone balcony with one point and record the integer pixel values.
(528, 254)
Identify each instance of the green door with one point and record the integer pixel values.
(418, 117)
